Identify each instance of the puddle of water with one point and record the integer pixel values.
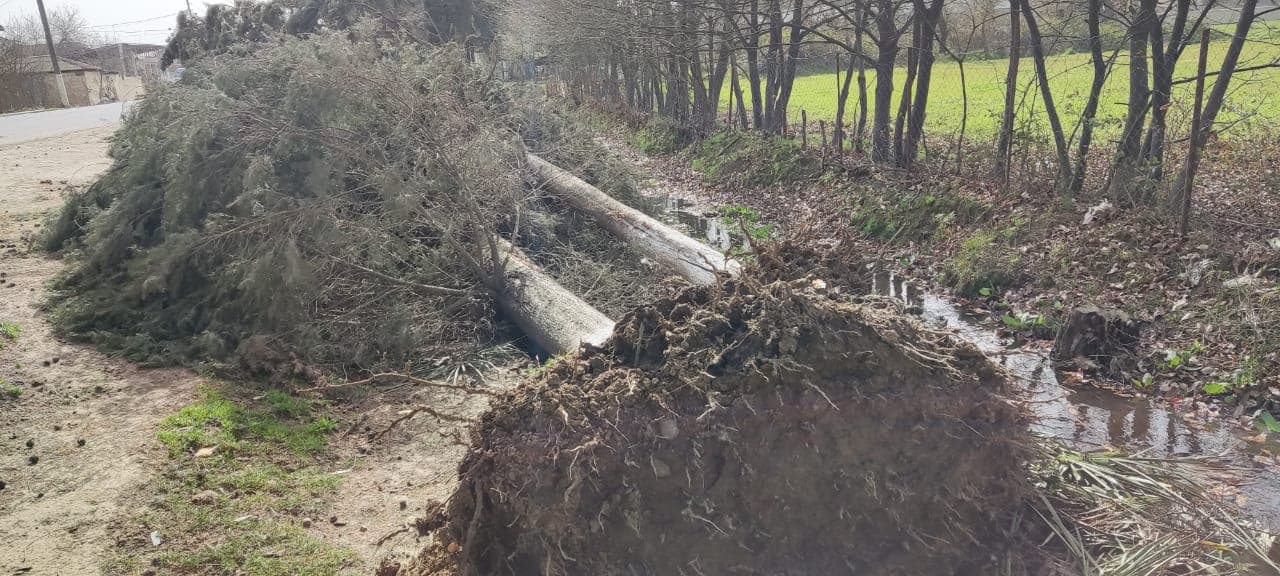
(687, 217)
(1084, 419)
(1088, 419)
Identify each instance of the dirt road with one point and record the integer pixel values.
(77, 441)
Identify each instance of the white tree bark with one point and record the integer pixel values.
(689, 258)
(557, 320)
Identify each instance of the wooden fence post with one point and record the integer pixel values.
(822, 125)
(804, 129)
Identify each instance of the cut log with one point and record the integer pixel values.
(555, 319)
(689, 258)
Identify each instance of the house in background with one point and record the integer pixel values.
(86, 84)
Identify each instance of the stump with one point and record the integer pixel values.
(1097, 334)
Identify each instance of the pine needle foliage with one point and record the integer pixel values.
(333, 195)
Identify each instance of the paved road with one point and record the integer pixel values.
(16, 128)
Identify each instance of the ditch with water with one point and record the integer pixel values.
(1085, 418)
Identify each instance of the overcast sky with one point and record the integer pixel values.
(148, 21)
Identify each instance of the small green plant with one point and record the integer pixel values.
(1242, 378)
(733, 214)
(1266, 423)
(1146, 381)
(1174, 359)
(1023, 321)
(9, 390)
(9, 332)
(983, 266)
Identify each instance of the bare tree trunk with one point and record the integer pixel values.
(1128, 183)
(908, 88)
(859, 133)
(687, 257)
(1005, 146)
(887, 44)
(1046, 94)
(930, 16)
(1095, 94)
(555, 319)
(1213, 105)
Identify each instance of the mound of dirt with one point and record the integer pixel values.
(749, 429)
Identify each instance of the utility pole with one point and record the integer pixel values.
(124, 70)
(53, 56)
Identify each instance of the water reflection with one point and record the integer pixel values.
(687, 217)
(1090, 419)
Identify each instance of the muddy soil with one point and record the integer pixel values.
(762, 429)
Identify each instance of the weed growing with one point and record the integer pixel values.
(240, 508)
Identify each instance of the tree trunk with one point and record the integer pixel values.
(555, 319)
(1201, 133)
(908, 87)
(1005, 146)
(1046, 94)
(687, 257)
(915, 122)
(859, 132)
(1128, 183)
(1095, 94)
(887, 44)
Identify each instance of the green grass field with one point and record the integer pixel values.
(1253, 104)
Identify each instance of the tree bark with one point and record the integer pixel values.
(687, 257)
(1005, 146)
(1095, 94)
(887, 44)
(555, 319)
(1046, 94)
(1128, 183)
(1213, 105)
(930, 16)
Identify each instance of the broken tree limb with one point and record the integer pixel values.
(689, 258)
(557, 320)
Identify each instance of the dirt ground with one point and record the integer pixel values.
(89, 421)
(56, 510)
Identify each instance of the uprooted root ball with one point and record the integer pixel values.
(749, 430)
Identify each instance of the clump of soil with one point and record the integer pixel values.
(745, 429)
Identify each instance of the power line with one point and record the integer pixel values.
(170, 15)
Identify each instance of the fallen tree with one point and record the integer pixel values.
(328, 196)
(689, 258)
(557, 320)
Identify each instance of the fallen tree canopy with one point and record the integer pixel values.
(330, 195)
(758, 429)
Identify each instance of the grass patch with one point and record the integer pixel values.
(658, 136)
(9, 332)
(752, 159)
(219, 422)
(241, 509)
(906, 217)
(984, 266)
(1252, 101)
(9, 389)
